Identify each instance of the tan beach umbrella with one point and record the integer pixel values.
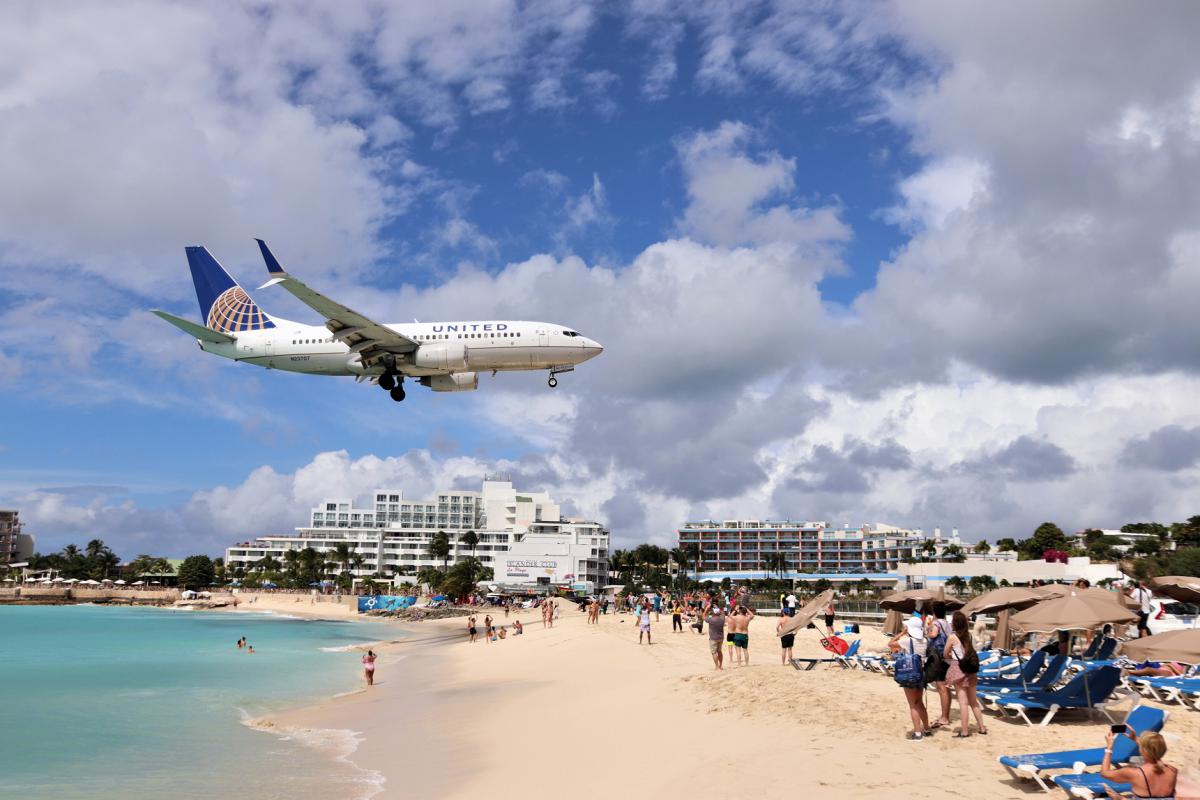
(1170, 646)
(805, 615)
(909, 600)
(893, 622)
(1017, 598)
(1183, 588)
(1074, 612)
(1053, 590)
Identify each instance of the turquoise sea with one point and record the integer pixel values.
(145, 702)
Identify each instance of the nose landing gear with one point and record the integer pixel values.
(553, 381)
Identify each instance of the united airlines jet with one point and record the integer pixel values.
(444, 356)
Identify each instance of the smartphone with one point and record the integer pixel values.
(1118, 728)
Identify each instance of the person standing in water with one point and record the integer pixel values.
(369, 667)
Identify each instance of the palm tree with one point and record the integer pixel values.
(356, 561)
(953, 553)
(680, 557)
(471, 540)
(983, 547)
(106, 562)
(291, 561)
(693, 552)
(94, 548)
(267, 563)
(775, 562)
(956, 584)
(342, 553)
(439, 548)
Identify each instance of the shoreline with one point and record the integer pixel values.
(543, 713)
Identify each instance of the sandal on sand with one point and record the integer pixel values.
(961, 735)
(913, 736)
(982, 732)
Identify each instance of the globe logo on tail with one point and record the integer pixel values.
(234, 311)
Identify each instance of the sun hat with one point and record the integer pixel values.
(916, 630)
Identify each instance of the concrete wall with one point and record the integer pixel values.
(935, 574)
(89, 595)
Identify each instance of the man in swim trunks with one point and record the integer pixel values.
(741, 636)
(716, 632)
(786, 640)
(472, 631)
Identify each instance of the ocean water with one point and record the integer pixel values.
(137, 702)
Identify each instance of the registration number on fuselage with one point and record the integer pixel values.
(299, 358)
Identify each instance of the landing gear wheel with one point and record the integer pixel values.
(387, 381)
(552, 382)
(397, 393)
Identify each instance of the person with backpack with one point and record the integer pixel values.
(910, 646)
(963, 674)
(937, 630)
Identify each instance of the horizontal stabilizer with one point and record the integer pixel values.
(199, 331)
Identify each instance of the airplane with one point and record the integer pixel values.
(443, 356)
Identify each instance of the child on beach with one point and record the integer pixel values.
(518, 628)
(786, 640)
(644, 622)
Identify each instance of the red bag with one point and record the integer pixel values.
(836, 645)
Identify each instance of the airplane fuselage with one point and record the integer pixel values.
(493, 345)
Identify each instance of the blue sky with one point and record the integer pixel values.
(847, 266)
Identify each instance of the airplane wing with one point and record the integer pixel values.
(365, 336)
(199, 331)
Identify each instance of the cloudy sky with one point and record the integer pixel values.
(932, 264)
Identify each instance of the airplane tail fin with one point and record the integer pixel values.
(224, 306)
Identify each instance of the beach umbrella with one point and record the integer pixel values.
(119, 582)
(138, 583)
(1002, 602)
(1183, 588)
(1084, 610)
(1052, 590)
(1074, 612)
(107, 580)
(910, 600)
(805, 615)
(1016, 598)
(1170, 646)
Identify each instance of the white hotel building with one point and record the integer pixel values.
(393, 536)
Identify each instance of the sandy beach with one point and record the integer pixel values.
(583, 709)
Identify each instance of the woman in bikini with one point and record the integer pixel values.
(1153, 779)
(369, 667)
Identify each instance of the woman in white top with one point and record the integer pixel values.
(958, 647)
(913, 633)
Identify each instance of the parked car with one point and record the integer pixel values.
(1170, 615)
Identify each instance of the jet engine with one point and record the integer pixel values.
(458, 382)
(441, 355)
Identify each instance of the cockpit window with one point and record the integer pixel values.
(570, 333)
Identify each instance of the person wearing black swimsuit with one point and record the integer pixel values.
(1153, 779)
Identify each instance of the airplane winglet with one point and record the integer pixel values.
(273, 265)
(272, 282)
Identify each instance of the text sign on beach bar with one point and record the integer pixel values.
(524, 570)
(384, 602)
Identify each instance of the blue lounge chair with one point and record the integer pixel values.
(1044, 682)
(1089, 689)
(1102, 658)
(1034, 765)
(1029, 671)
(1089, 784)
(1167, 690)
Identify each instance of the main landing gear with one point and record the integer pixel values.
(393, 384)
(553, 381)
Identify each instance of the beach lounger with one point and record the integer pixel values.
(1051, 675)
(1034, 765)
(806, 664)
(1090, 690)
(1102, 657)
(1182, 689)
(1089, 784)
(1028, 672)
